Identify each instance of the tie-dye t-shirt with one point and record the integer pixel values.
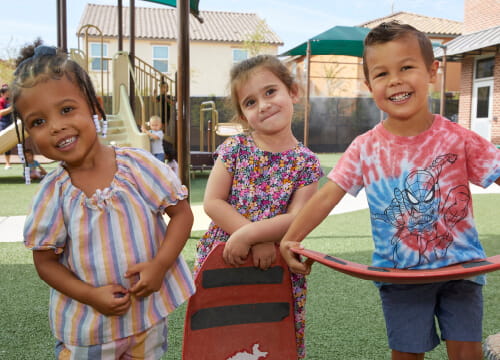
(418, 192)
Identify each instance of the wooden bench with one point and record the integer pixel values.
(201, 160)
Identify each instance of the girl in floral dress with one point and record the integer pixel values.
(260, 178)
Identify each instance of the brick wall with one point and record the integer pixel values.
(480, 15)
(465, 104)
(495, 125)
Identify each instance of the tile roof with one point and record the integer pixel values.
(482, 41)
(432, 26)
(161, 23)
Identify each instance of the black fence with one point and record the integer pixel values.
(333, 122)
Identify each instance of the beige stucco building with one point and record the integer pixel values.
(342, 76)
(222, 39)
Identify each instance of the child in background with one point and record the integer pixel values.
(96, 227)
(416, 168)
(170, 159)
(165, 101)
(5, 117)
(262, 178)
(37, 172)
(155, 137)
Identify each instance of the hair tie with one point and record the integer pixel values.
(40, 50)
(104, 127)
(22, 158)
(20, 152)
(96, 122)
(98, 125)
(27, 175)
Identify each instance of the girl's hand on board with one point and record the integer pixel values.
(236, 250)
(264, 255)
(110, 300)
(293, 260)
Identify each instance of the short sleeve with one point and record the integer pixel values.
(156, 182)
(347, 173)
(228, 151)
(483, 160)
(44, 228)
(160, 134)
(312, 171)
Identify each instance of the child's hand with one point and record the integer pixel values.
(150, 278)
(293, 260)
(264, 255)
(236, 250)
(110, 300)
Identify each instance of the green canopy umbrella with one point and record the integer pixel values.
(193, 5)
(339, 40)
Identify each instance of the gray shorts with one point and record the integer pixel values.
(411, 311)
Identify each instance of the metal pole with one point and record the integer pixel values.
(132, 55)
(58, 2)
(306, 110)
(120, 25)
(62, 41)
(183, 111)
(64, 27)
(443, 83)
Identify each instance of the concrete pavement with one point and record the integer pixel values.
(11, 227)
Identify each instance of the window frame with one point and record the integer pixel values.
(237, 59)
(166, 59)
(103, 53)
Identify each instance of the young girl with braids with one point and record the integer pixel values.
(261, 178)
(96, 227)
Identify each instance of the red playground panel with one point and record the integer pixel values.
(240, 313)
(404, 276)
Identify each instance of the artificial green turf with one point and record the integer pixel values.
(16, 195)
(344, 318)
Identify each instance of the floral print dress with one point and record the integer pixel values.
(262, 187)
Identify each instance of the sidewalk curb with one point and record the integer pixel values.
(11, 227)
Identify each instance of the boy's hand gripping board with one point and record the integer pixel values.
(240, 313)
(404, 276)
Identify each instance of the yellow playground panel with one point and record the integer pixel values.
(8, 137)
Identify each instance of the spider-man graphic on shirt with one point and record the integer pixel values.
(416, 209)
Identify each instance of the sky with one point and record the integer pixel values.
(294, 21)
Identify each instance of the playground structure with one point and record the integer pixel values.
(210, 127)
(8, 138)
(127, 110)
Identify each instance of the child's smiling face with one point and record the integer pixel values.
(266, 102)
(58, 118)
(398, 78)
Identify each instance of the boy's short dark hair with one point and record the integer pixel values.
(393, 30)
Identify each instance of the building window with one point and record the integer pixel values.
(239, 55)
(483, 101)
(485, 68)
(160, 58)
(98, 51)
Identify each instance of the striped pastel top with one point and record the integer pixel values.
(99, 237)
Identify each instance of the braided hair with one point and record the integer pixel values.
(49, 63)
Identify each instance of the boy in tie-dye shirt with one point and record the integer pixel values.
(415, 168)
